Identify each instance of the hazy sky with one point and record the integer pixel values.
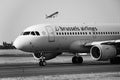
(16, 15)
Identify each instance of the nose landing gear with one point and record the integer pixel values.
(41, 57)
(42, 61)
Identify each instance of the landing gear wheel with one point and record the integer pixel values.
(42, 63)
(74, 60)
(42, 60)
(77, 60)
(80, 59)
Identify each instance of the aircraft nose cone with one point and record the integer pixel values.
(20, 43)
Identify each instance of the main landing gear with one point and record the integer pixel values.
(77, 60)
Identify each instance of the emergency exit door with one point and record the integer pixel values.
(51, 35)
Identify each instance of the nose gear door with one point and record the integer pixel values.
(51, 35)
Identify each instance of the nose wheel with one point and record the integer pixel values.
(42, 61)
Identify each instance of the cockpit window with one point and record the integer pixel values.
(26, 33)
(37, 33)
(32, 33)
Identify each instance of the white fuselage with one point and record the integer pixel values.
(65, 38)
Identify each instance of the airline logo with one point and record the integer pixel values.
(75, 28)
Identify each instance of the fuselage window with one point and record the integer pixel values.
(96, 33)
(93, 32)
(75, 33)
(26, 33)
(90, 33)
(110, 32)
(81, 33)
(62, 33)
(106, 32)
(67, 33)
(59, 33)
(99, 33)
(113, 33)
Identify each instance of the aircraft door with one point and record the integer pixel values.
(51, 35)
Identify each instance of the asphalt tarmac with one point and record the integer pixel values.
(23, 67)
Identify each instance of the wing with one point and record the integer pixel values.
(109, 42)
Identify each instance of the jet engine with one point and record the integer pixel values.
(47, 56)
(103, 52)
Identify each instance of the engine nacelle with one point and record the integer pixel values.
(48, 56)
(103, 52)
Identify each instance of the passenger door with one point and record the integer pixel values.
(51, 35)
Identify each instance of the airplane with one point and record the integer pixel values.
(52, 15)
(46, 41)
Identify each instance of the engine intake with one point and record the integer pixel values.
(103, 52)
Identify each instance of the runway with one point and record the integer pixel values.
(59, 65)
